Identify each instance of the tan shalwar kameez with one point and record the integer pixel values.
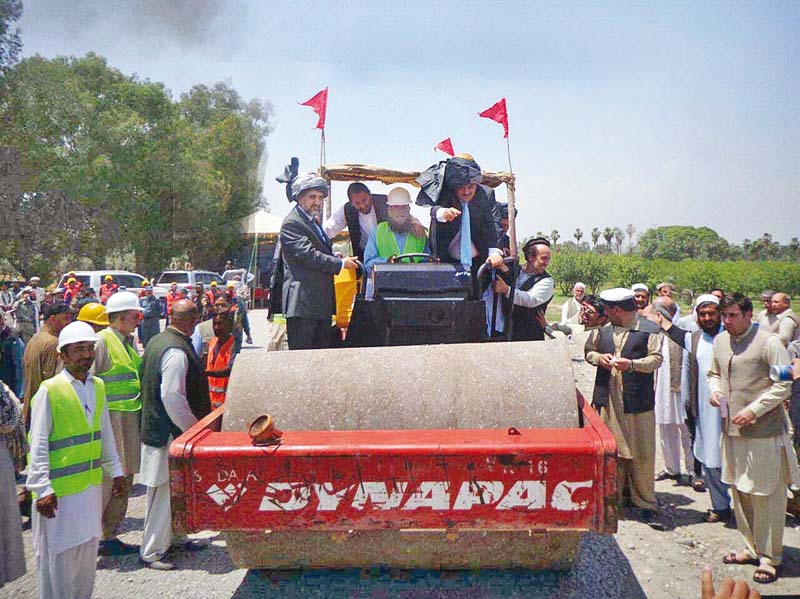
(635, 434)
(759, 470)
(126, 434)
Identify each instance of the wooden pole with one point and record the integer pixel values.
(322, 160)
(512, 202)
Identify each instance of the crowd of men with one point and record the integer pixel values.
(96, 409)
(710, 381)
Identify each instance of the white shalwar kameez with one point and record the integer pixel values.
(65, 547)
(670, 413)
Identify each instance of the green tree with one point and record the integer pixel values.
(10, 40)
(631, 231)
(679, 242)
(570, 266)
(618, 239)
(608, 234)
(595, 237)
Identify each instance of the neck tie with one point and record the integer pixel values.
(466, 237)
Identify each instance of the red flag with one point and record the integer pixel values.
(445, 146)
(319, 103)
(498, 114)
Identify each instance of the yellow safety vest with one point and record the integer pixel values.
(75, 447)
(123, 379)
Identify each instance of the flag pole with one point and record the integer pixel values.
(512, 202)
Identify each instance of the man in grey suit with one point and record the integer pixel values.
(308, 295)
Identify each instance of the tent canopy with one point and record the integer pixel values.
(261, 223)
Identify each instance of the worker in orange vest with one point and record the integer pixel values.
(107, 289)
(71, 290)
(213, 293)
(219, 362)
(172, 297)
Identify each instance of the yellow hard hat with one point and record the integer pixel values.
(213, 283)
(109, 278)
(94, 313)
(71, 280)
(145, 282)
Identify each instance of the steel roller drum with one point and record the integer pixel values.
(486, 385)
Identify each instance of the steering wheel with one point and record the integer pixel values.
(410, 257)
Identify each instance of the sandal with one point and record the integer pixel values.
(765, 574)
(740, 559)
(699, 485)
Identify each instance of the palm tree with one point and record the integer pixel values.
(747, 247)
(578, 235)
(595, 236)
(554, 235)
(631, 231)
(619, 237)
(608, 234)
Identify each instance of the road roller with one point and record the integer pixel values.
(417, 444)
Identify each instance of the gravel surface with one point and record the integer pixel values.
(636, 562)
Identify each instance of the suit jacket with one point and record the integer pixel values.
(308, 269)
(484, 219)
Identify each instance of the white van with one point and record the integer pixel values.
(94, 278)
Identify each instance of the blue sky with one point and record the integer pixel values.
(650, 114)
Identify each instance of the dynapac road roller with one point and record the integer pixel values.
(417, 447)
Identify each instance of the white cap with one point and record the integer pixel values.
(660, 286)
(123, 301)
(706, 298)
(398, 197)
(75, 332)
(37, 279)
(578, 285)
(639, 287)
(616, 295)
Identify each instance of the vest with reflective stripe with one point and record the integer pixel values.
(123, 384)
(75, 446)
(218, 385)
(387, 243)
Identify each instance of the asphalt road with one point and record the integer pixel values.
(637, 562)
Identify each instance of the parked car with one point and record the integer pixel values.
(94, 279)
(184, 278)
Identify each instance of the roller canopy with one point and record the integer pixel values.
(461, 386)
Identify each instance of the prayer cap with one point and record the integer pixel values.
(706, 298)
(640, 287)
(616, 295)
(660, 286)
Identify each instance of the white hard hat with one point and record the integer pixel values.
(75, 332)
(123, 301)
(398, 197)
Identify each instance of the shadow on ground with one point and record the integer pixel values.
(601, 570)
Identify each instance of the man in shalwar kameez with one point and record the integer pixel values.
(71, 443)
(757, 456)
(626, 353)
(694, 388)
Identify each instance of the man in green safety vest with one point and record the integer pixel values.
(71, 447)
(119, 366)
(394, 236)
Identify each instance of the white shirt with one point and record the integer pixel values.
(78, 515)
(154, 467)
(338, 223)
(536, 295)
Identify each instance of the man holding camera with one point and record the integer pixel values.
(757, 457)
